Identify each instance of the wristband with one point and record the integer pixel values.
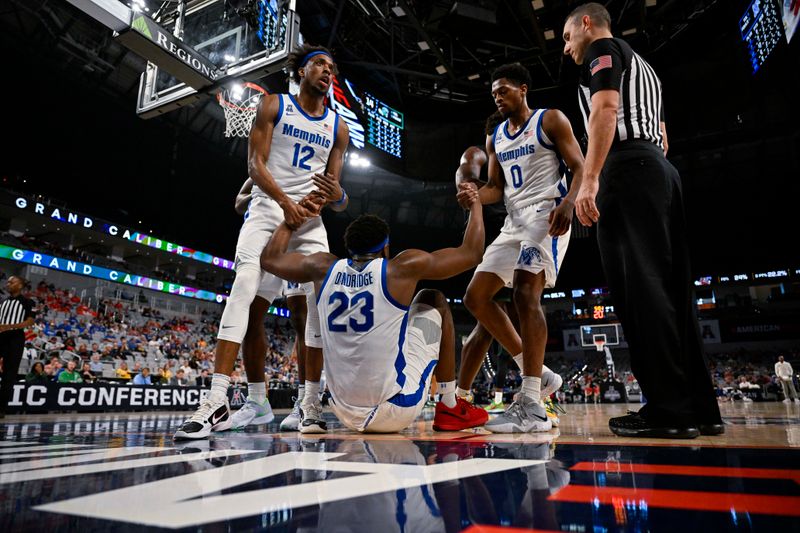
(341, 200)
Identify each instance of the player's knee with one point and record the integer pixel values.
(526, 297)
(474, 301)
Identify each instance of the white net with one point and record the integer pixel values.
(240, 105)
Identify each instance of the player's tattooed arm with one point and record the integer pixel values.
(328, 185)
(244, 196)
(258, 151)
(293, 266)
(557, 127)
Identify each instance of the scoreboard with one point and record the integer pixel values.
(384, 126)
(761, 27)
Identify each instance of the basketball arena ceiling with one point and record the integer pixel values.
(410, 52)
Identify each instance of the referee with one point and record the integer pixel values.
(16, 314)
(641, 231)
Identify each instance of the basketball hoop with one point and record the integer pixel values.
(599, 342)
(240, 104)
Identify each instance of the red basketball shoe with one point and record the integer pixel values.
(462, 416)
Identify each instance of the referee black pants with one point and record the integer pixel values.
(643, 246)
(11, 345)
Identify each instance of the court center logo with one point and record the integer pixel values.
(528, 255)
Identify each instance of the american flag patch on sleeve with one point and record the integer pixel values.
(599, 64)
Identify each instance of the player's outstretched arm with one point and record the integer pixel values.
(293, 266)
(258, 150)
(448, 262)
(557, 127)
(244, 196)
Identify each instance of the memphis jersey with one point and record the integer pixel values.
(532, 169)
(363, 329)
(300, 147)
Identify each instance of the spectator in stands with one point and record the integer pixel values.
(30, 352)
(122, 371)
(37, 376)
(203, 380)
(95, 365)
(236, 378)
(69, 374)
(785, 374)
(83, 351)
(179, 379)
(86, 374)
(48, 371)
(143, 378)
(187, 369)
(165, 374)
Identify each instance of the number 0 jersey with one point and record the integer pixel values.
(532, 169)
(363, 330)
(300, 147)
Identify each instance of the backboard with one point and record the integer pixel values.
(222, 40)
(610, 333)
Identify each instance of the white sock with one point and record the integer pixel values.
(257, 392)
(531, 387)
(447, 393)
(462, 393)
(498, 396)
(219, 387)
(312, 393)
(301, 392)
(518, 360)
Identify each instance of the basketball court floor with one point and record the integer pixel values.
(123, 472)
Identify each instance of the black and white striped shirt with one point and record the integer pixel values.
(612, 64)
(15, 310)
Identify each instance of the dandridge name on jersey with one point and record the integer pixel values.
(353, 280)
(516, 153)
(312, 138)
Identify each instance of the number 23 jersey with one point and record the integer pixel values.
(300, 147)
(363, 332)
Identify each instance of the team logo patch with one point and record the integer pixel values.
(528, 255)
(289, 108)
(599, 64)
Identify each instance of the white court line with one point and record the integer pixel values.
(92, 455)
(42, 454)
(31, 475)
(44, 448)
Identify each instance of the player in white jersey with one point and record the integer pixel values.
(257, 409)
(525, 170)
(295, 155)
(381, 341)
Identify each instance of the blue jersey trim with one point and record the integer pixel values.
(540, 135)
(520, 130)
(411, 400)
(309, 117)
(325, 281)
(385, 288)
(400, 360)
(555, 253)
(280, 110)
(494, 134)
(335, 129)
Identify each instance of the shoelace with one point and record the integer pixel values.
(203, 412)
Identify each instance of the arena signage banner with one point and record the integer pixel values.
(61, 214)
(117, 276)
(55, 397)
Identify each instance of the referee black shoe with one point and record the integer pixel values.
(635, 425)
(711, 429)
